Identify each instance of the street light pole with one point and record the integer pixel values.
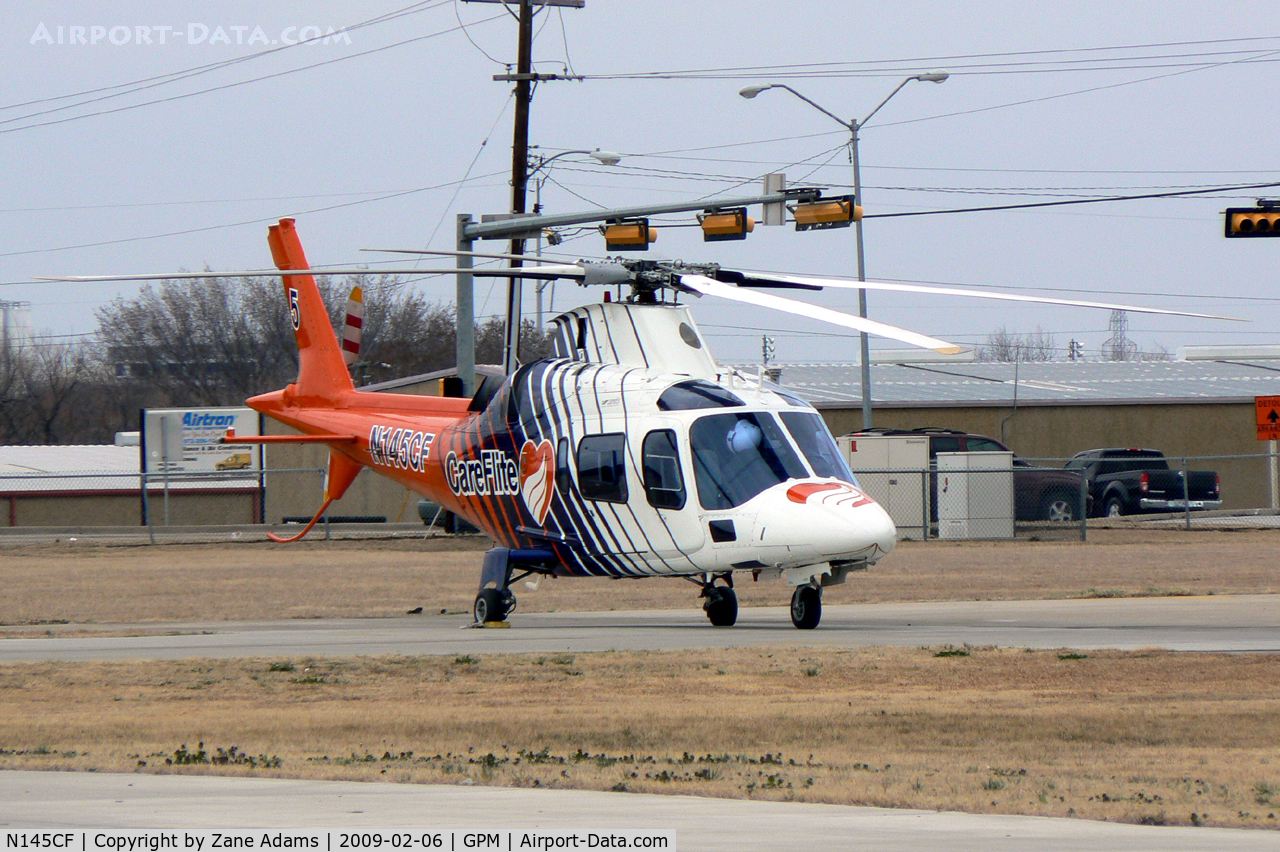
(605, 158)
(853, 126)
(864, 341)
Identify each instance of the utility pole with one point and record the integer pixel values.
(524, 78)
(519, 176)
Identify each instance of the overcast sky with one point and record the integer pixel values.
(380, 137)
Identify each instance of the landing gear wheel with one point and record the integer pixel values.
(806, 607)
(721, 606)
(492, 605)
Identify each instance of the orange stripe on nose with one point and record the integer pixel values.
(802, 492)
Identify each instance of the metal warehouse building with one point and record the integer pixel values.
(1200, 406)
(67, 486)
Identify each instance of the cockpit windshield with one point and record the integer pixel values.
(815, 442)
(738, 455)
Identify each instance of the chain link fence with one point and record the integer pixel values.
(1037, 499)
(981, 503)
(1051, 498)
(127, 507)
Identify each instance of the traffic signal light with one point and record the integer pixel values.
(634, 235)
(731, 224)
(1252, 222)
(828, 213)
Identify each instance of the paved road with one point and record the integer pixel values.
(1239, 623)
(58, 800)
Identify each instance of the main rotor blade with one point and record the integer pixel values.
(532, 258)
(560, 271)
(711, 287)
(808, 282)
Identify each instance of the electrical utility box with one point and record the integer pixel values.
(894, 471)
(975, 495)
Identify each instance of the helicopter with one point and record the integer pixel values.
(630, 453)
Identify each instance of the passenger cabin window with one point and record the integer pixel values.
(811, 435)
(736, 456)
(602, 469)
(663, 481)
(697, 394)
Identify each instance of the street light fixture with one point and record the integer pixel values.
(604, 158)
(853, 126)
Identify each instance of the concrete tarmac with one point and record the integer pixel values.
(1244, 623)
(65, 800)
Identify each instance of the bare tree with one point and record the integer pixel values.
(1157, 352)
(403, 334)
(217, 340)
(491, 341)
(1004, 345)
(55, 375)
(39, 387)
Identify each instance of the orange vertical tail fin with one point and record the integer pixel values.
(322, 372)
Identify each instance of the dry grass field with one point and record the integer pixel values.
(97, 583)
(1148, 737)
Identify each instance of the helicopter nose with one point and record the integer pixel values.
(840, 520)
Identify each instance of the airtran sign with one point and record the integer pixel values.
(185, 440)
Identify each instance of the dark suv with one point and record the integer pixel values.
(1040, 494)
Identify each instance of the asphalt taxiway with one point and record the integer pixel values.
(1243, 623)
(69, 800)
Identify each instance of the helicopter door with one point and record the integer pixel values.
(667, 492)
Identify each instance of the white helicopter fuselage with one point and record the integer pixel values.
(639, 456)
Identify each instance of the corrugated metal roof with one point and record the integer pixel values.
(84, 458)
(70, 468)
(91, 467)
(1053, 381)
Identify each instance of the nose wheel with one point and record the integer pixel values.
(721, 602)
(806, 607)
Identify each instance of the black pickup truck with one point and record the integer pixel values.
(1040, 494)
(1129, 481)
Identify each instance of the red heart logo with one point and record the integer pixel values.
(537, 480)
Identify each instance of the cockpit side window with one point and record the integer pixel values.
(602, 468)
(736, 456)
(663, 481)
(815, 442)
(697, 394)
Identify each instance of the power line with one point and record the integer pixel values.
(192, 202)
(238, 83)
(258, 221)
(187, 73)
(1061, 95)
(1102, 200)
(895, 66)
(978, 170)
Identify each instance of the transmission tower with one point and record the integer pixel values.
(1119, 347)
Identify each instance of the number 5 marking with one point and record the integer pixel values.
(295, 315)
